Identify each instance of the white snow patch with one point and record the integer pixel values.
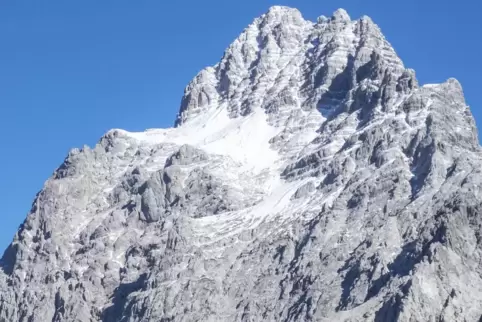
(244, 139)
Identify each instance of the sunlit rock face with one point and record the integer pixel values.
(308, 178)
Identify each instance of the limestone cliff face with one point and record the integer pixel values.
(308, 178)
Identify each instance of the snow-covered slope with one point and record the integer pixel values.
(308, 178)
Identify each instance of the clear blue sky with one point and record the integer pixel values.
(71, 70)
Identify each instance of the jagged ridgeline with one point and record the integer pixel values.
(308, 178)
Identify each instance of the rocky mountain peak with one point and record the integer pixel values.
(341, 15)
(308, 65)
(309, 178)
(281, 14)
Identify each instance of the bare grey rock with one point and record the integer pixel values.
(309, 178)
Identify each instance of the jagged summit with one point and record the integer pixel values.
(282, 10)
(309, 178)
(341, 15)
(331, 49)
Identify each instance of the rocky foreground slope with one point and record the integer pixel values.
(308, 178)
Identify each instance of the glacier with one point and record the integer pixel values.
(308, 177)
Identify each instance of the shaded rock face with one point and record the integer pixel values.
(308, 178)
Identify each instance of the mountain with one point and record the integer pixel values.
(308, 177)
